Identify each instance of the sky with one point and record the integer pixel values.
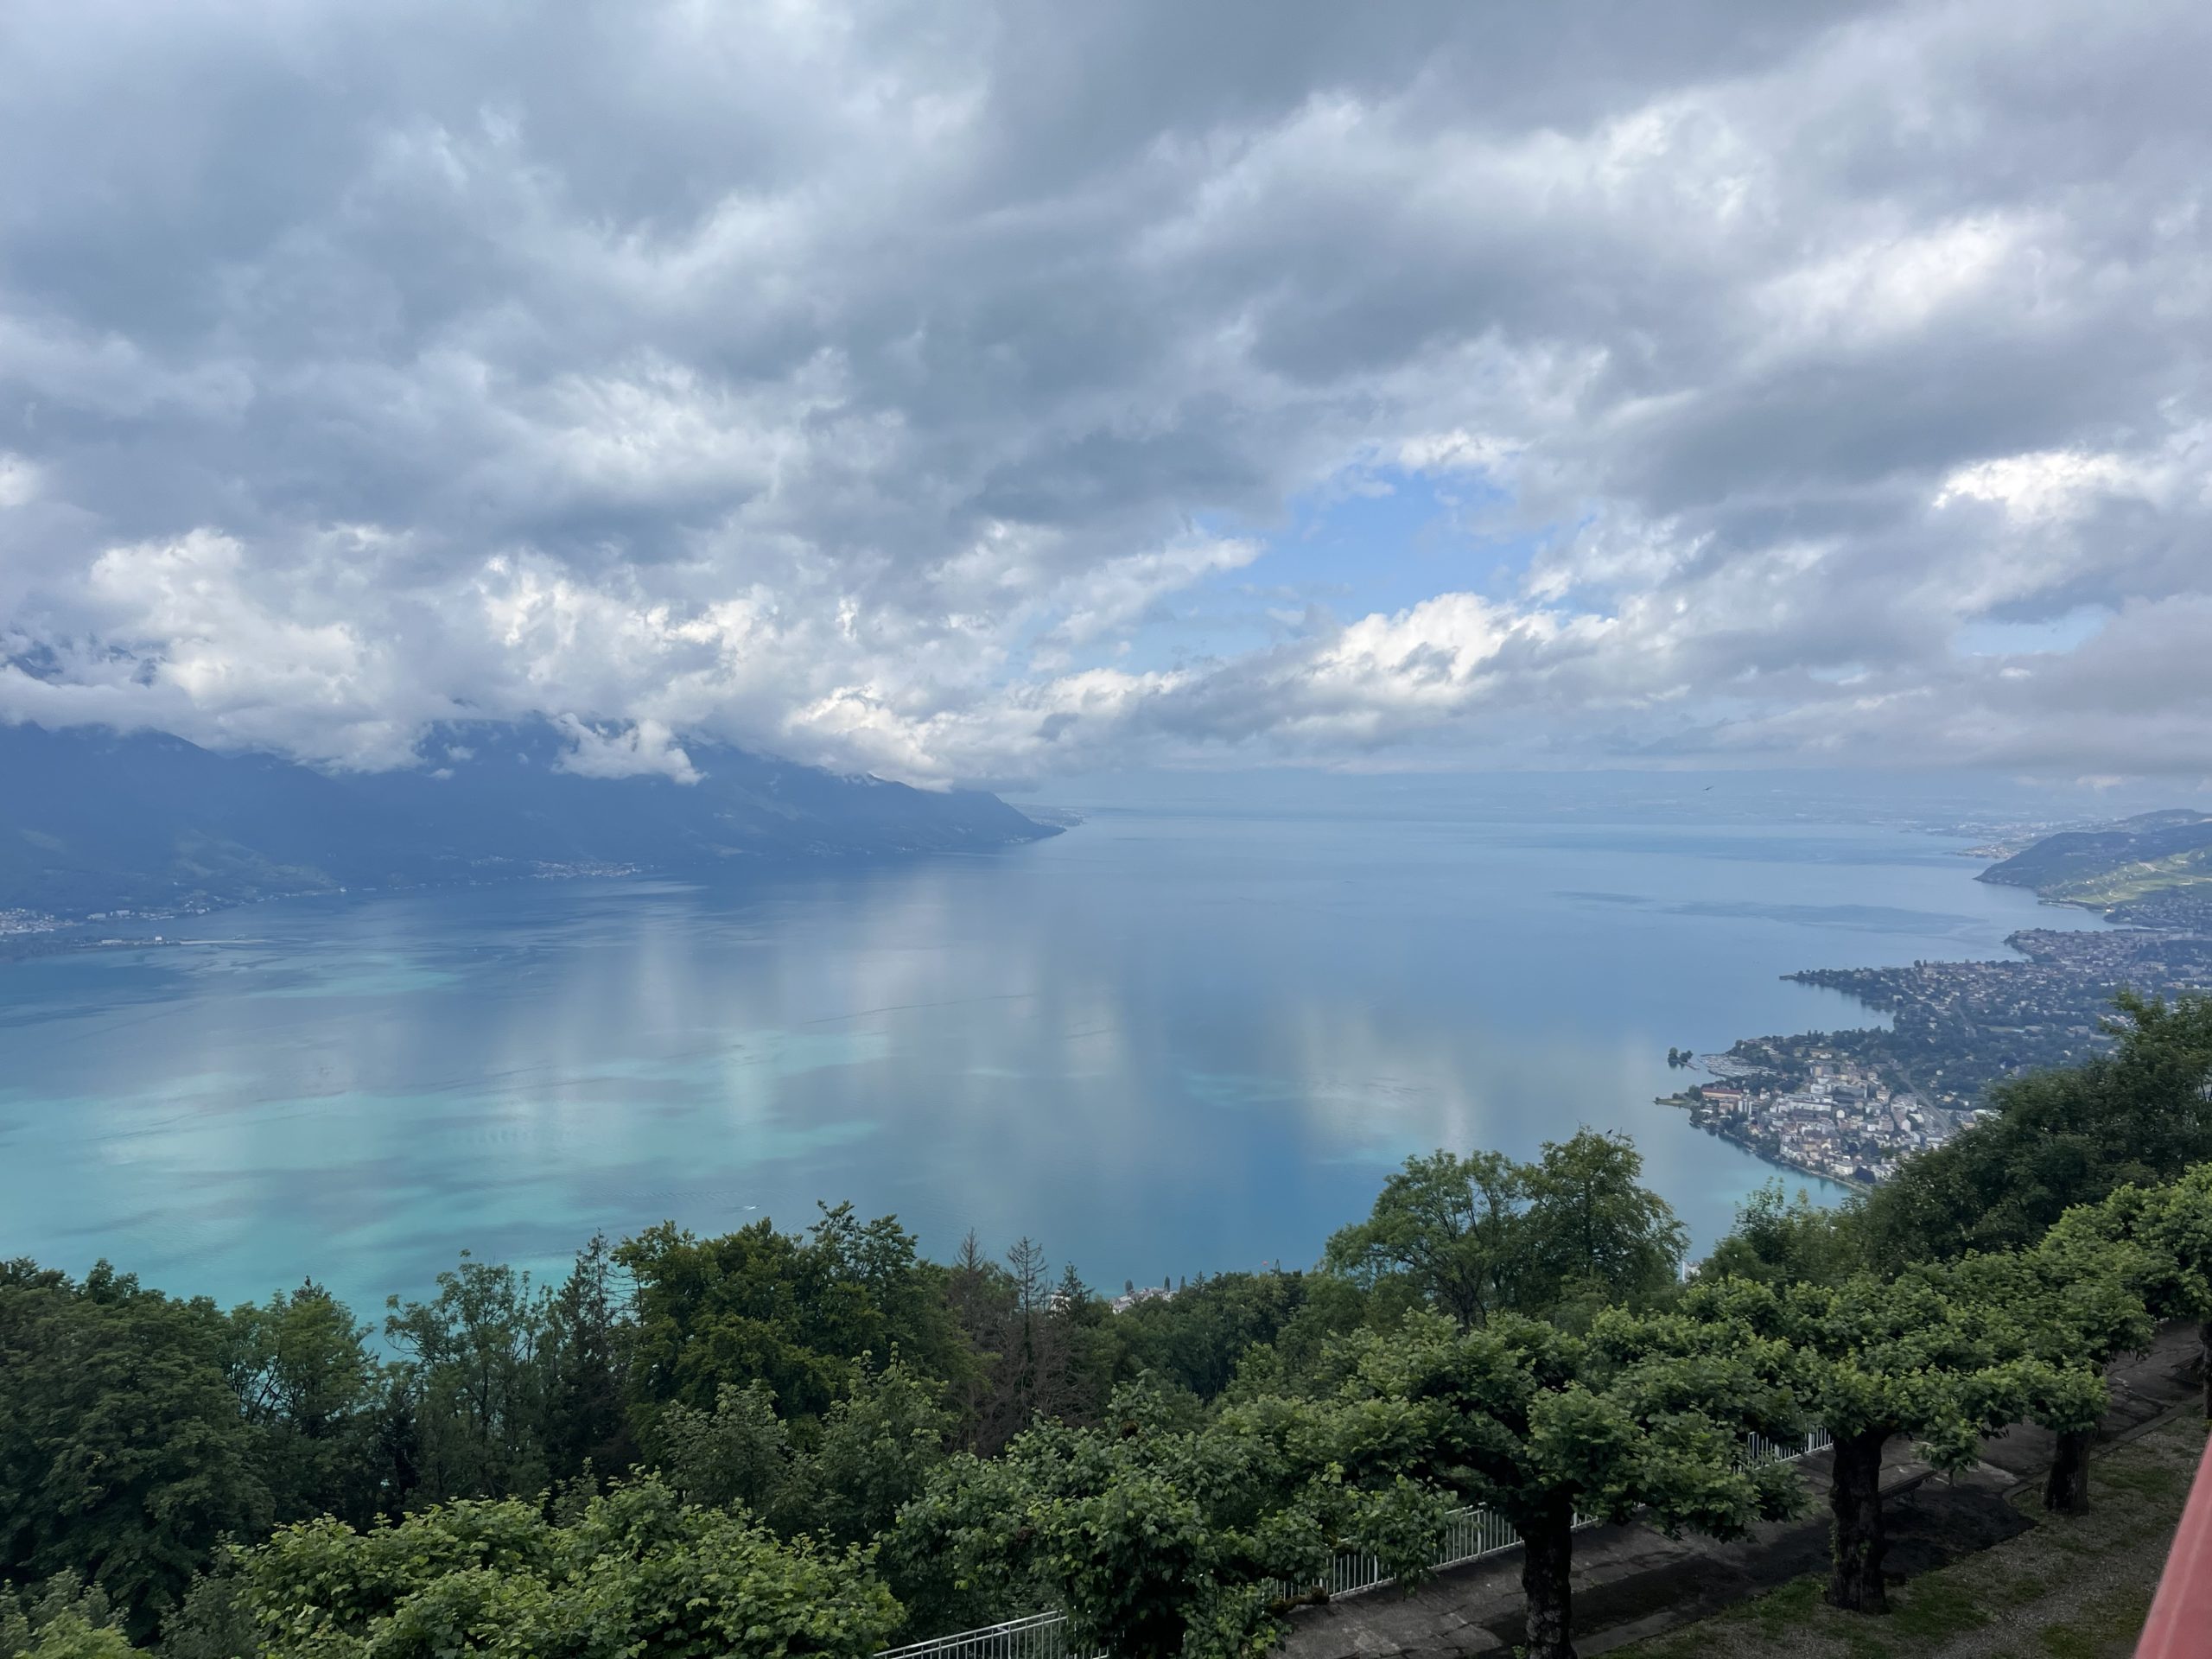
(980, 393)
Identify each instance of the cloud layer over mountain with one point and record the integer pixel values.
(971, 391)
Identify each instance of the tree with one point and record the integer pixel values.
(1877, 1359)
(1481, 1235)
(307, 1383)
(123, 1456)
(2167, 1233)
(2140, 1115)
(636, 1573)
(738, 1456)
(880, 1445)
(1160, 1532)
(1037, 1348)
(64, 1620)
(1780, 1239)
(1198, 1339)
(2076, 1301)
(794, 1312)
(1451, 1226)
(1537, 1425)
(586, 1359)
(981, 1295)
(473, 1381)
(1595, 1232)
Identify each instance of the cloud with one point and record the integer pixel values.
(955, 393)
(648, 747)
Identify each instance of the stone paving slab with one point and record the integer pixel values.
(1631, 1582)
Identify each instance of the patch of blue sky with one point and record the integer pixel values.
(1370, 539)
(1385, 538)
(2042, 636)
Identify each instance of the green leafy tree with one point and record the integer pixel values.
(63, 1620)
(123, 1456)
(790, 1312)
(308, 1385)
(474, 1383)
(880, 1445)
(1782, 1240)
(1879, 1358)
(1198, 1338)
(737, 1456)
(1596, 1234)
(1481, 1235)
(1451, 1226)
(2137, 1116)
(636, 1575)
(1160, 1532)
(213, 1622)
(1643, 1415)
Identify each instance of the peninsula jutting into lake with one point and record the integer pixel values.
(1848, 1104)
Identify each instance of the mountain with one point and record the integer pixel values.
(2151, 867)
(92, 819)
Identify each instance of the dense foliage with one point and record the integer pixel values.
(818, 1442)
(2140, 1115)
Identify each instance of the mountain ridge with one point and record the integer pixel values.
(92, 819)
(2154, 867)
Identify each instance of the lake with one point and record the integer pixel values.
(1177, 1038)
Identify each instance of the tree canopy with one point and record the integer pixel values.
(682, 1420)
(1539, 1425)
(635, 1573)
(1478, 1234)
(1875, 1358)
(123, 1455)
(2138, 1115)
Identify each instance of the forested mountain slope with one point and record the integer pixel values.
(91, 819)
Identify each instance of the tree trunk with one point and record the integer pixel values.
(1855, 1503)
(2204, 1360)
(1546, 1560)
(2067, 1488)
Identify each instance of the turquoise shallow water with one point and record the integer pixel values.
(1165, 1042)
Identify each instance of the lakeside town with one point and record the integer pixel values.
(1847, 1105)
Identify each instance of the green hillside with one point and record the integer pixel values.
(2148, 860)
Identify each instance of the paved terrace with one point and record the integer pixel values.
(1630, 1582)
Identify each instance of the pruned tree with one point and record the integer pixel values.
(2168, 1229)
(1160, 1532)
(1876, 1359)
(1644, 1415)
(2076, 1301)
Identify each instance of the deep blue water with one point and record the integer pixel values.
(1166, 1041)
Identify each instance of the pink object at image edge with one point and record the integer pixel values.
(2180, 1624)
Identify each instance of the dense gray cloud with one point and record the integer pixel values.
(933, 391)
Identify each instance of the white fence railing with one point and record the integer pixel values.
(1040, 1636)
(1470, 1535)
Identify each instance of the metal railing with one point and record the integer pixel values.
(1040, 1636)
(1469, 1535)
(1818, 1440)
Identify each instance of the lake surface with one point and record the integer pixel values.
(1171, 1039)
